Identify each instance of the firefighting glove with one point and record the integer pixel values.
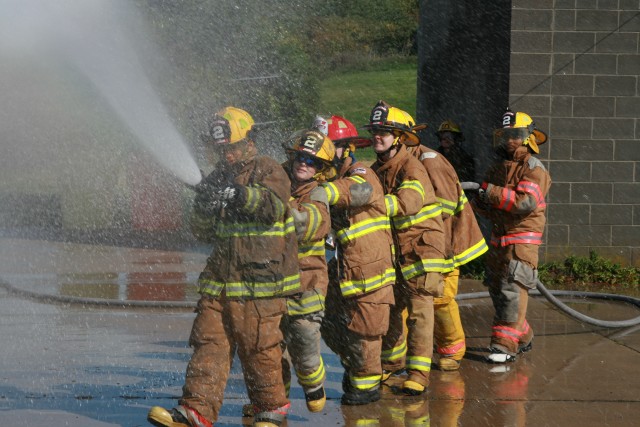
(360, 194)
(483, 193)
(210, 200)
(300, 220)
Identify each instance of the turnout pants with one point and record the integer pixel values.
(509, 280)
(221, 326)
(302, 340)
(353, 329)
(415, 352)
(448, 332)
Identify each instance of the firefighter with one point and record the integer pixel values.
(241, 208)
(420, 245)
(450, 138)
(311, 156)
(512, 197)
(463, 243)
(361, 276)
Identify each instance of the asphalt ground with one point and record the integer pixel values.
(96, 335)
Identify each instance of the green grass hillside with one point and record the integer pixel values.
(353, 94)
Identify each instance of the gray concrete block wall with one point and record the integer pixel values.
(575, 67)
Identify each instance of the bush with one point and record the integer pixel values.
(592, 273)
(586, 274)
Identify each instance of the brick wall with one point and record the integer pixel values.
(574, 69)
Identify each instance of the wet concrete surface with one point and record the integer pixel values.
(72, 362)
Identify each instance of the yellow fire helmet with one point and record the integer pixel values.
(391, 119)
(230, 126)
(450, 126)
(317, 146)
(519, 125)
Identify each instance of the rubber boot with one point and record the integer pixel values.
(509, 338)
(180, 416)
(315, 400)
(355, 397)
(273, 418)
(412, 388)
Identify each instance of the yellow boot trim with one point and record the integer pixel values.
(316, 405)
(264, 424)
(413, 388)
(162, 418)
(449, 364)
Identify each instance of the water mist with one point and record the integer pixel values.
(89, 36)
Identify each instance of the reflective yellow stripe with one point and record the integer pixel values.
(427, 211)
(311, 249)
(391, 203)
(316, 378)
(470, 254)
(394, 353)
(366, 383)
(362, 228)
(314, 220)
(250, 289)
(424, 266)
(448, 207)
(414, 185)
(333, 195)
(353, 287)
(278, 229)
(253, 199)
(461, 202)
(357, 179)
(418, 363)
(306, 305)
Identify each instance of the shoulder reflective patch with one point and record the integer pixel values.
(428, 155)
(534, 162)
(359, 171)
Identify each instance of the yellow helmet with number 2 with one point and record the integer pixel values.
(230, 126)
(519, 125)
(384, 117)
(317, 146)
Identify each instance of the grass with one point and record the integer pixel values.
(591, 273)
(352, 94)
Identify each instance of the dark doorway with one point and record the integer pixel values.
(463, 70)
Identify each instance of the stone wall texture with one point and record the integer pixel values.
(574, 69)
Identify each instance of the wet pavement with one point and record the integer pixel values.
(96, 335)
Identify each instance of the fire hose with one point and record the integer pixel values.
(551, 296)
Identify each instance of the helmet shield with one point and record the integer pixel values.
(518, 125)
(502, 136)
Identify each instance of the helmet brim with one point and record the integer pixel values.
(357, 141)
(410, 139)
(540, 136)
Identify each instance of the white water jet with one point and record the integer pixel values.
(89, 35)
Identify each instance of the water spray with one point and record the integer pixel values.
(89, 36)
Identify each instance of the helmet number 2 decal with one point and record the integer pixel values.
(218, 132)
(310, 143)
(376, 116)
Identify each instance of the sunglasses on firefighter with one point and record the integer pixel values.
(309, 160)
